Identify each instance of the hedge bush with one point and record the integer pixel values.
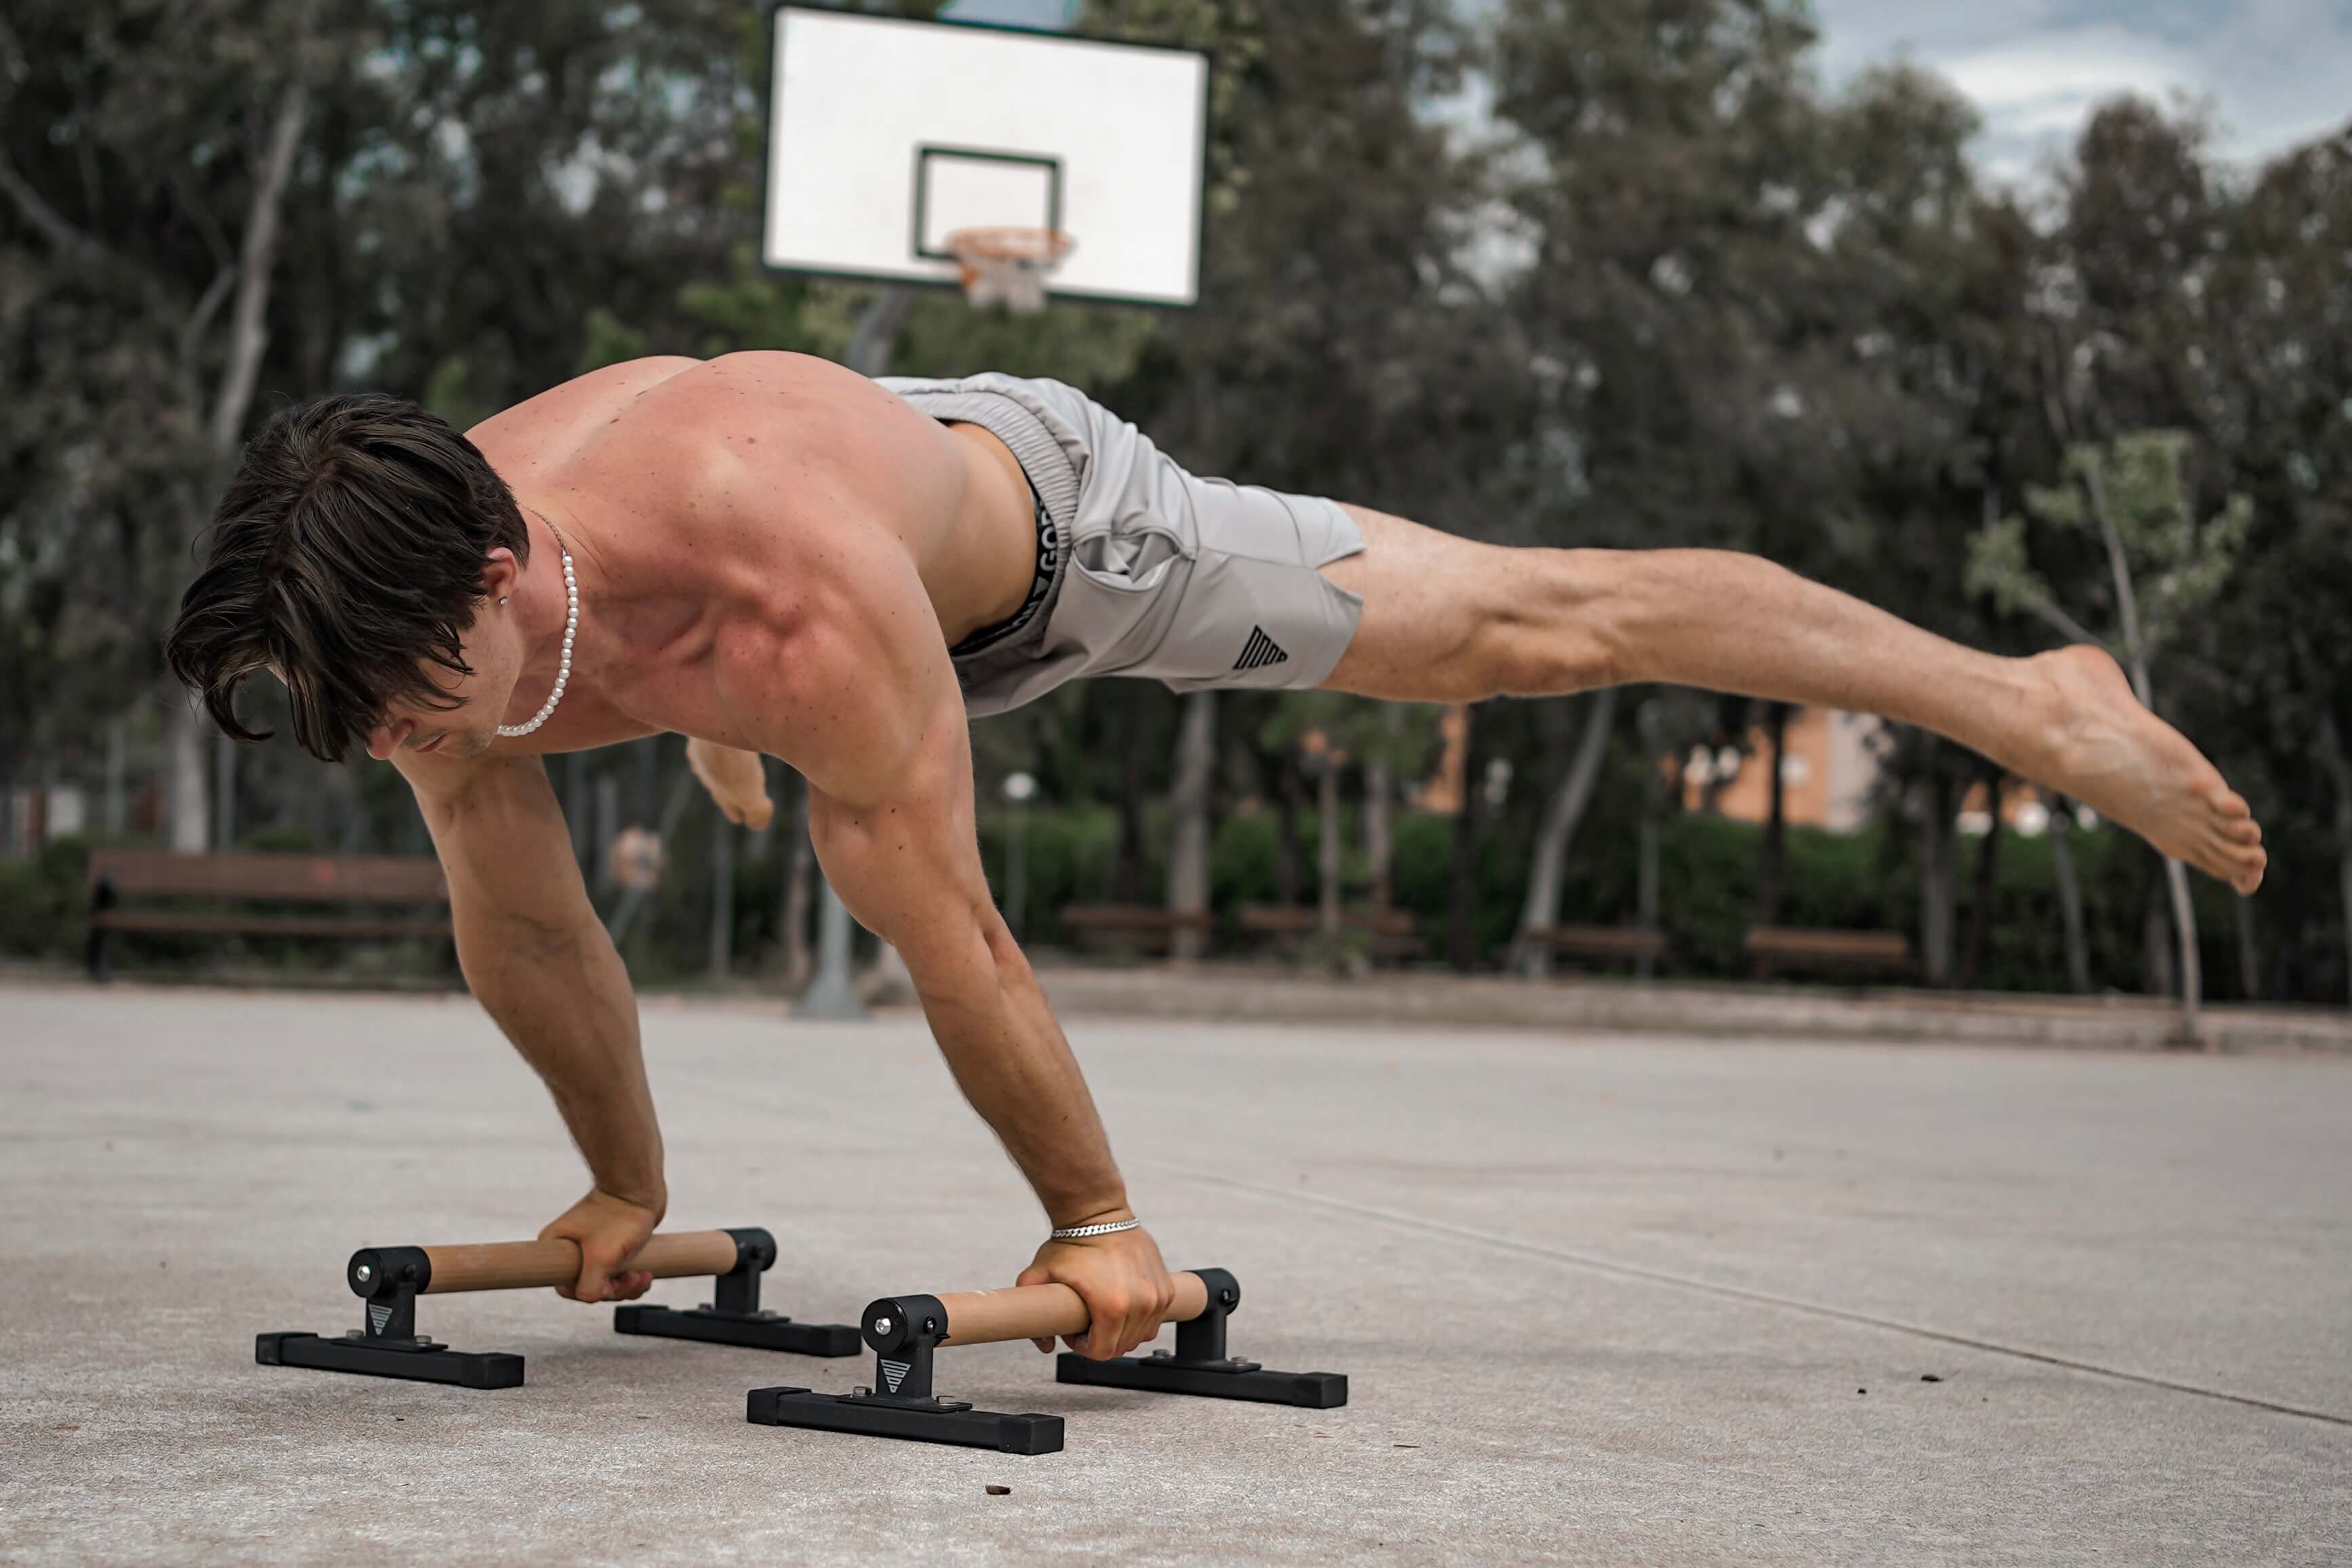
(1867, 879)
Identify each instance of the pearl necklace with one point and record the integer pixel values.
(571, 629)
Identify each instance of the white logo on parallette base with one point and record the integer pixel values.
(894, 1372)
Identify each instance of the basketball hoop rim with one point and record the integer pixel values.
(1010, 243)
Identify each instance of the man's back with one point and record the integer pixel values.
(706, 501)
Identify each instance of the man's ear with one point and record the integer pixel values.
(500, 572)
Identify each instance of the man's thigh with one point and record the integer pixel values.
(1449, 619)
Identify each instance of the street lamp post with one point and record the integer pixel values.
(1019, 789)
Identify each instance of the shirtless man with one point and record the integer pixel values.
(769, 553)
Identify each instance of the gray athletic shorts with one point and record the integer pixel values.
(1153, 572)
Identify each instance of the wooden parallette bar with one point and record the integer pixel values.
(1038, 1312)
(521, 1265)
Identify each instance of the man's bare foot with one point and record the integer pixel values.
(2106, 751)
(736, 780)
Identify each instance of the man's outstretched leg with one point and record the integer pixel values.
(1447, 619)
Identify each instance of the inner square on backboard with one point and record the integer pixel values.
(969, 187)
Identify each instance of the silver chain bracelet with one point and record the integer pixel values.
(1080, 1232)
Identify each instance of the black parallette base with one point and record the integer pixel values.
(760, 1331)
(846, 1413)
(1160, 1374)
(465, 1368)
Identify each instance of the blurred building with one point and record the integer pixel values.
(1826, 774)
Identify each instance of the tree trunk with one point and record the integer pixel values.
(2339, 768)
(117, 804)
(2193, 970)
(351, 835)
(2343, 885)
(799, 871)
(1188, 801)
(2070, 895)
(1563, 813)
(1772, 856)
(608, 828)
(1288, 801)
(2156, 978)
(1126, 857)
(1648, 719)
(249, 337)
(256, 259)
(580, 809)
(1939, 881)
(723, 894)
(1462, 880)
(224, 834)
(188, 779)
(1980, 904)
(2250, 955)
(1326, 854)
(1379, 791)
(2176, 876)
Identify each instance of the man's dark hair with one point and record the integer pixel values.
(347, 554)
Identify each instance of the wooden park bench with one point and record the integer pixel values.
(1789, 947)
(213, 894)
(1130, 928)
(1389, 932)
(1618, 944)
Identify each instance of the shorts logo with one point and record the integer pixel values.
(1260, 651)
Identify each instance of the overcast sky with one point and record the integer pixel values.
(2277, 72)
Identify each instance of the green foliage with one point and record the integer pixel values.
(1362, 729)
(1707, 303)
(610, 340)
(45, 899)
(2135, 486)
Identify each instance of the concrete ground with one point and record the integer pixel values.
(1600, 1298)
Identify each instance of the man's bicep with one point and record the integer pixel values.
(905, 858)
(913, 842)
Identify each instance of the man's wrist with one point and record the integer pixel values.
(1063, 1217)
(1087, 1232)
(650, 1195)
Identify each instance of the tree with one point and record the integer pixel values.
(1327, 730)
(146, 223)
(1563, 810)
(2281, 341)
(207, 208)
(2152, 569)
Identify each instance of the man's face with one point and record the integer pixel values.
(467, 721)
(479, 701)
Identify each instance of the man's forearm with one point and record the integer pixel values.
(561, 994)
(1014, 1064)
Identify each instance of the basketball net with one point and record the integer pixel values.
(1008, 267)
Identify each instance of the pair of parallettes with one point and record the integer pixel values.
(902, 1331)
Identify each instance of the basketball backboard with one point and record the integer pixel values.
(885, 136)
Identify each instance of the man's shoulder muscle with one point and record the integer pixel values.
(547, 429)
